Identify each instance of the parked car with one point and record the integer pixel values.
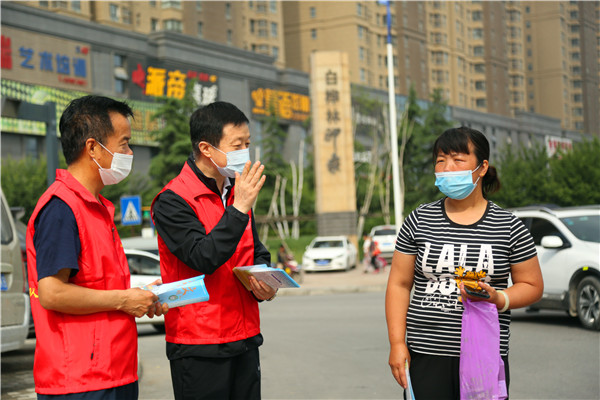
(329, 253)
(568, 245)
(149, 244)
(18, 213)
(144, 266)
(385, 237)
(13, 288)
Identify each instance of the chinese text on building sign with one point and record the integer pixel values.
(160, 82)
(70, 69)
(286, 105)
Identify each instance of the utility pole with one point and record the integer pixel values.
(393, 121)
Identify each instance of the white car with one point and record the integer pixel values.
(329, 253)
(385, 236)
(144, 267)
(568, 245)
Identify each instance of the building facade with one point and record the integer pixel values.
(493, 57)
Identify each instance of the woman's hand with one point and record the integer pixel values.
(398, 355)
(495, 297)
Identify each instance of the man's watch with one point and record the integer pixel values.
(275, 295)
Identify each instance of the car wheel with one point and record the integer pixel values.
(588, 303)
(159, 327)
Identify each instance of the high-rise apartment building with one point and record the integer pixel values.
(250, 25)
(489, 56)
(562, 62)
(358, 28)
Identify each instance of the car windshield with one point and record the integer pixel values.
(325, 244)
(585, 227)
(385, 232)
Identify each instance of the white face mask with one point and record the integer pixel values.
(236, 160)
(120, 167)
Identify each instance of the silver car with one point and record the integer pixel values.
(14, 293)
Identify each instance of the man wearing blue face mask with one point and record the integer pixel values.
(206, 226)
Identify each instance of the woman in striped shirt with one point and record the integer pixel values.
(464, 231)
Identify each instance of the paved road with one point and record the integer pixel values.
(335, 347)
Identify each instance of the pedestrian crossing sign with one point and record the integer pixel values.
(131, 210)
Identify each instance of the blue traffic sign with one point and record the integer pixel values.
(131, 210)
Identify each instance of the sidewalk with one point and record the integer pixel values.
(353, 281)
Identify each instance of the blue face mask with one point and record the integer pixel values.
(236, 160)
(457, 185)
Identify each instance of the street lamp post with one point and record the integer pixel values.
(393, 121)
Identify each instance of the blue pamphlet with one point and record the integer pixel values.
(274, 277)
(180, 293)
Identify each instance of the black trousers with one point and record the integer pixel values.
(438, 378)
(196, 378)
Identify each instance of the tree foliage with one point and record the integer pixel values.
(569, 178)
(418, 162)
(24, 181)
(173, 137)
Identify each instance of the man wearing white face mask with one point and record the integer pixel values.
(79, 280)
(206, 226)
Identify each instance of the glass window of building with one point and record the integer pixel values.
(173, 25)
(274, 32)
(313, 33)
(313, 12)
(153, 25)
(199, 5)
(273, 6)
(43, 3)
(478, 51)
(126, 13)
(76, 5)
(200, 30)
(229, 37)
(113, 10)
(275, 52)
(228, 11)
(476, 15)
(170, 4)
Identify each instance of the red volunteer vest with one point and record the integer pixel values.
(231, 314)
(80, 353)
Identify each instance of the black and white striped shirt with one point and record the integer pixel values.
(492, 244)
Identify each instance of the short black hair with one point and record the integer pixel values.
(88, 117)
(457, 140)
(206, 123)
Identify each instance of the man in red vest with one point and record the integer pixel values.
(206, 226)
(82, 305)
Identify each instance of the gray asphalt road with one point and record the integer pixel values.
(335, 347)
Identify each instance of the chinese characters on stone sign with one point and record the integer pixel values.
(333, 130)
(286, 105)
(158, 82)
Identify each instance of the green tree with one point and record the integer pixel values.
(529, 176)
(24, 181)
(174, 145)
(418, 160)
(575, 175)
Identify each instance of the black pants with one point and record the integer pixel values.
(125, 392)
(438, 378)
(237, 377)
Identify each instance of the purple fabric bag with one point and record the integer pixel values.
(481, 367)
